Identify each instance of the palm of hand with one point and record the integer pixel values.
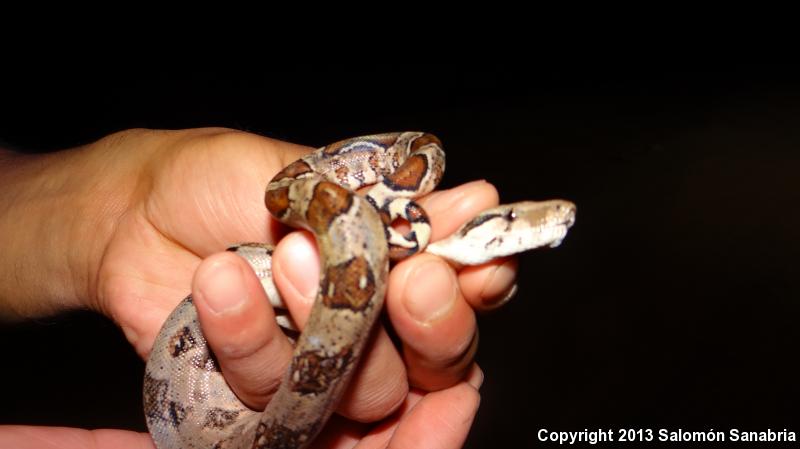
(196, 196)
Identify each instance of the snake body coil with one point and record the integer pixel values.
(186, 399)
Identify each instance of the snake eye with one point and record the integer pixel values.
(511, 215)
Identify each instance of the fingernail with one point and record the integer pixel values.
(504, 298)
(475, 377)
(222, 287)
(303, 272)
(430, 292)
(495, 292)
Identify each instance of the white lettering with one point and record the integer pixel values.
(583, 436)
(681, 435)
(768, 436)
(542, 431)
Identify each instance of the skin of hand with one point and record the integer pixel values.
(127, 224)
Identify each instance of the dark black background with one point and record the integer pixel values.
(672, 303)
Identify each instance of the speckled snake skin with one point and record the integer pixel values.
(186, 400)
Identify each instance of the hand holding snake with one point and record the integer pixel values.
(188, 402)
(178, 195)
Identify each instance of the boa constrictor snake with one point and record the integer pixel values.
(186, 400)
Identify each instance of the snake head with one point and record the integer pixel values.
(549, 220)
(508, 229)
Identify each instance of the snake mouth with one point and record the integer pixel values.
(569, 217)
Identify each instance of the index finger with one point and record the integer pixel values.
(484, 286)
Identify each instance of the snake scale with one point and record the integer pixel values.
(186, 400)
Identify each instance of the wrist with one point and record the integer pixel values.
(57, 213)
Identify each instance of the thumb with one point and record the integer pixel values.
(239, 324)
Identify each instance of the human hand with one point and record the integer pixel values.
(186, 194)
